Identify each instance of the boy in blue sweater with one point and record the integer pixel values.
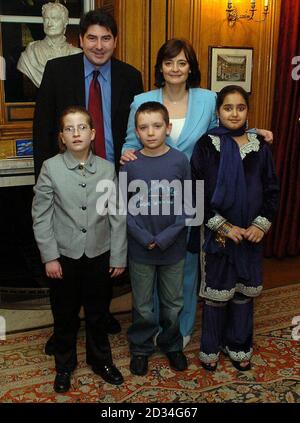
(156, 225)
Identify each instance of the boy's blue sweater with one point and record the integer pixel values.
(168, 231)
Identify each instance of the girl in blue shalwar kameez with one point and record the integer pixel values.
(241, 194)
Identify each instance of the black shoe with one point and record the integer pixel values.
(50, 346)
(62, 382)
(211, 367)
(112, 325)
(139, 365)
(110, 374)
(177, 360)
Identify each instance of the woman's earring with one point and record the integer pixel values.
(218, 121)
(247, 126)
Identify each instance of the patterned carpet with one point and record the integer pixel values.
(26, 374)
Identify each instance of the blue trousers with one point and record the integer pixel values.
(190, 295)
(168, 280)
(227, 326)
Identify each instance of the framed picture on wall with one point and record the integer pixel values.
(230, 66)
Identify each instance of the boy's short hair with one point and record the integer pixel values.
(152, 107)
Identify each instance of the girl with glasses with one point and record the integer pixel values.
(82, 247)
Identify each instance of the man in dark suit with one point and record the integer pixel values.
(66, 82)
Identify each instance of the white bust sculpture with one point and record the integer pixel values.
(33, 60)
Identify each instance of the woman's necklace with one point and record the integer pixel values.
(177, 101)
(173, 102)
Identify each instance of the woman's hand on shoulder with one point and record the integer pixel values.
(116, 271)
(53, 269)
(267, 135)
(127, 156)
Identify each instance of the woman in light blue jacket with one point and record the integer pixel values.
(192, 113)
(191, 109)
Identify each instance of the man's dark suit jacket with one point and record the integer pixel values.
(63, 86)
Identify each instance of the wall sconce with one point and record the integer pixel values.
(233, 16)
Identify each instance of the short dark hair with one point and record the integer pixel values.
(71, 110)
(231, 89)
(172, 48)
(150, 107)
(98, 17)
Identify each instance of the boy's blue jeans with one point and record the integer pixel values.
(170, 294)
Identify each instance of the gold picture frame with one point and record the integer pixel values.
(230, 66)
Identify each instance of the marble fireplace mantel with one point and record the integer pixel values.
(16, 172)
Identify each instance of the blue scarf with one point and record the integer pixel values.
(230, 195)
(230, 199)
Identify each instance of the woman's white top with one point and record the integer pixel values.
(177, 125)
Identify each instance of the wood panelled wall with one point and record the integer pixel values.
(145, 24)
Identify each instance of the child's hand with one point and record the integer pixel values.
(268, 135)
(151, 246)
(127, 156)
(116, 271)
(254, 234)
(53, 269)
(236, 234)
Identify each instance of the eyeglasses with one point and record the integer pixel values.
(71, 129)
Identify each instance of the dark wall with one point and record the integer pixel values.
(20, 264)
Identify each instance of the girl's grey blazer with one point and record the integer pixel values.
(65, 219)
